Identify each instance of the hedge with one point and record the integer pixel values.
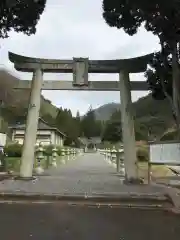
(13, 150)
(48, 150)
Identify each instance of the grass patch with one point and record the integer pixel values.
(143, 158)
(156, 170)
(13, 164)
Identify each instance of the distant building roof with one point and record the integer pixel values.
(94, 140)
(42, 125)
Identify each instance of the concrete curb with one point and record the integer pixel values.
(129, 199)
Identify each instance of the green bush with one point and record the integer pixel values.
(48, 150)
(13, 150)
(142, 153)
(13, 164)
(59, 151)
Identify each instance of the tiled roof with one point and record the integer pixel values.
(42, 125)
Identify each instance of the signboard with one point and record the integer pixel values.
(165, 153)
(80, 71)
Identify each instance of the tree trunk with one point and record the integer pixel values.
(169, 98)
(176, 86)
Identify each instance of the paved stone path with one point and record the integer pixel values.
(87, 174)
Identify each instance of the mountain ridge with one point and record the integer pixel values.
(153, 115)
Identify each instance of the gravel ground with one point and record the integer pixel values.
(87, 174)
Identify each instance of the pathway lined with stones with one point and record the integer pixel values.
(87, 174)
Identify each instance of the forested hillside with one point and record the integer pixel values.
(13, 109)
(14, 103)
(152, 117)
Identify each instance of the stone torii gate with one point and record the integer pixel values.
(80, 67)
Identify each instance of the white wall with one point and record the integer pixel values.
(165, 153)
(3, 138)
(53, 137)
(45, 136)
(56, 138)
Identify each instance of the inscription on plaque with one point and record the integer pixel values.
(80, 71)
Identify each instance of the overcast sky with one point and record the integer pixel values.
(75, 28)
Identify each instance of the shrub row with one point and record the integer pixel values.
(15, 150)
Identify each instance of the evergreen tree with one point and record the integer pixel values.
(112, 132)
(90, 127)
(162, 18)
(20, 15)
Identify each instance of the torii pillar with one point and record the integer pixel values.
(127, 66)
(127, 121)
(27, 159)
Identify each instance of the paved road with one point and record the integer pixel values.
(58, 222)
(87, 174)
